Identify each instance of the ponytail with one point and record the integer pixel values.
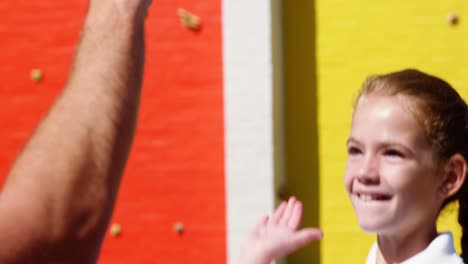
(463, 219)
(462, 197)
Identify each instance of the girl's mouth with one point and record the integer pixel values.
(373, 197)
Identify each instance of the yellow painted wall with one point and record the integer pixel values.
(355, 39)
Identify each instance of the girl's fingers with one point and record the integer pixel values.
(288, 211)
(279, 213)
(261, 224)
(296, 216)
(305, 236)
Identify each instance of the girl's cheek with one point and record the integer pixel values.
(348, 179)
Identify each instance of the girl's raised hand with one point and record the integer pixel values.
(277, 236)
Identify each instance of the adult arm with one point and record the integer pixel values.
(60, 192)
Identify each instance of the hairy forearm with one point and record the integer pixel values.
(68, 174)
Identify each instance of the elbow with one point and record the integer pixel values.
(85, 220)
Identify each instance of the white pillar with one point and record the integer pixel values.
(248, 106)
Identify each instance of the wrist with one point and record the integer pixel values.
(124, 13)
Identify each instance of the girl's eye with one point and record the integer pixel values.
(354, 151)
(394, 153)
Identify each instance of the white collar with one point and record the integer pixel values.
(440, 250)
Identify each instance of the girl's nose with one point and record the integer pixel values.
(368, 172)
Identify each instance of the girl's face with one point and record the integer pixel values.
(391, 173)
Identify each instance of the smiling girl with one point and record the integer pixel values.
(407, 159)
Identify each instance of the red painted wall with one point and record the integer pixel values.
(176, 168)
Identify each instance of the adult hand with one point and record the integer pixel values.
(277, 236)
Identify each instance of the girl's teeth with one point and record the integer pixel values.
(366, 197)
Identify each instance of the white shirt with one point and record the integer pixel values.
(439, 251)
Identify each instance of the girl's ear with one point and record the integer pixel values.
(454, 177)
